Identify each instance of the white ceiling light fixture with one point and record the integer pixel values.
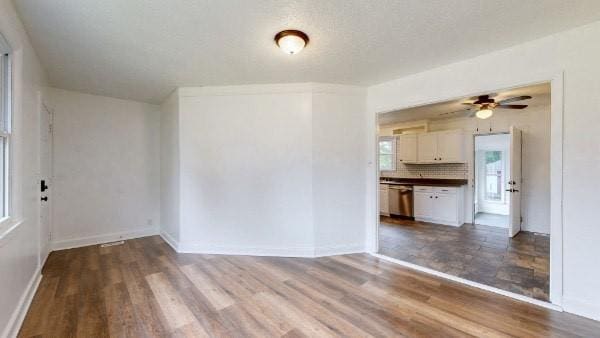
(291, 41)
(484, 113)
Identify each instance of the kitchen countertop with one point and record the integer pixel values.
(441, 182)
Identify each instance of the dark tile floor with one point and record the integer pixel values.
(478, 253)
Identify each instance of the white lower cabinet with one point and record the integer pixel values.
(384, 200)
(443, 205)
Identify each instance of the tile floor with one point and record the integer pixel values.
(478, 253)
(494, 220)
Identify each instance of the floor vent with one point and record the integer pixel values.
(112, 244)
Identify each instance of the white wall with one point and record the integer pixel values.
(20, 254)
(576, 53)
(246, 170)
(338, 163)
(169, 168)
(272, 169)
(106, 168)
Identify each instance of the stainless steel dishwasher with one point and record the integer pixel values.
(401, 200)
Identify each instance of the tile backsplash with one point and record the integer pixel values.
(446, 171)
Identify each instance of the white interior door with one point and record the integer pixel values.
(514, 183)
(45, 179)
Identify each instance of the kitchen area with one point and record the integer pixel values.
(423, 176)
(433, 190)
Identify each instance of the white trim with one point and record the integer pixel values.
(334, 250)
(201, 248)
(170, 240)
(309, 251)
(471, 283)
(556, 188)
(581, 308)
(16, 319)
(556, 79)
(98, 239)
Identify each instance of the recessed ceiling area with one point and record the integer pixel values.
(540, 94)
(142, 50)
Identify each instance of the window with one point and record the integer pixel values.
(5, 120)
(494, 176)
(387, 153)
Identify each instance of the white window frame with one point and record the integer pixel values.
(6, 112)
(393, 154)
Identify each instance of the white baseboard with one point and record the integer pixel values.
(334, 250)
(16, 319)
(581, 308)
(245, 251)
(471, 283)
(170, 240)
(199, 248)
(98, 239)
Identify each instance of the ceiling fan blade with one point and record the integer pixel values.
(514, 99)
(512, 106)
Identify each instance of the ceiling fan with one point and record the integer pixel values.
(484, 105)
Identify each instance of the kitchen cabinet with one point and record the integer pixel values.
(441, 147)
(451, 146)
(423, 204)
(442, 205)
(384, 202)
(407, 148)
(427, 148)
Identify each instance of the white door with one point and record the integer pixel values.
(427, 147)
(45, 178)
(407, 148)
(514, 182)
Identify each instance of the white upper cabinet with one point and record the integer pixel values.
(451, 147)
(441, 147)
(427, 148)
(407, 148)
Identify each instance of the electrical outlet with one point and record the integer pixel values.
(149, 222)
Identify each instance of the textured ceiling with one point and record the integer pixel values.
(143, 49)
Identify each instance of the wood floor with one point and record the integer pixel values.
(144, 289)
(478, 253)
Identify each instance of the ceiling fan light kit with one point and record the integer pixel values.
(484, 113)
(483, 106)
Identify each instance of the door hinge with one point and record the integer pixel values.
(50, 128)
(521, 219)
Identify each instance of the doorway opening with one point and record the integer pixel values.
(491, 200)
(479, 189)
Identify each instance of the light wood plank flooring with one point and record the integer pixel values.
(144, 289)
